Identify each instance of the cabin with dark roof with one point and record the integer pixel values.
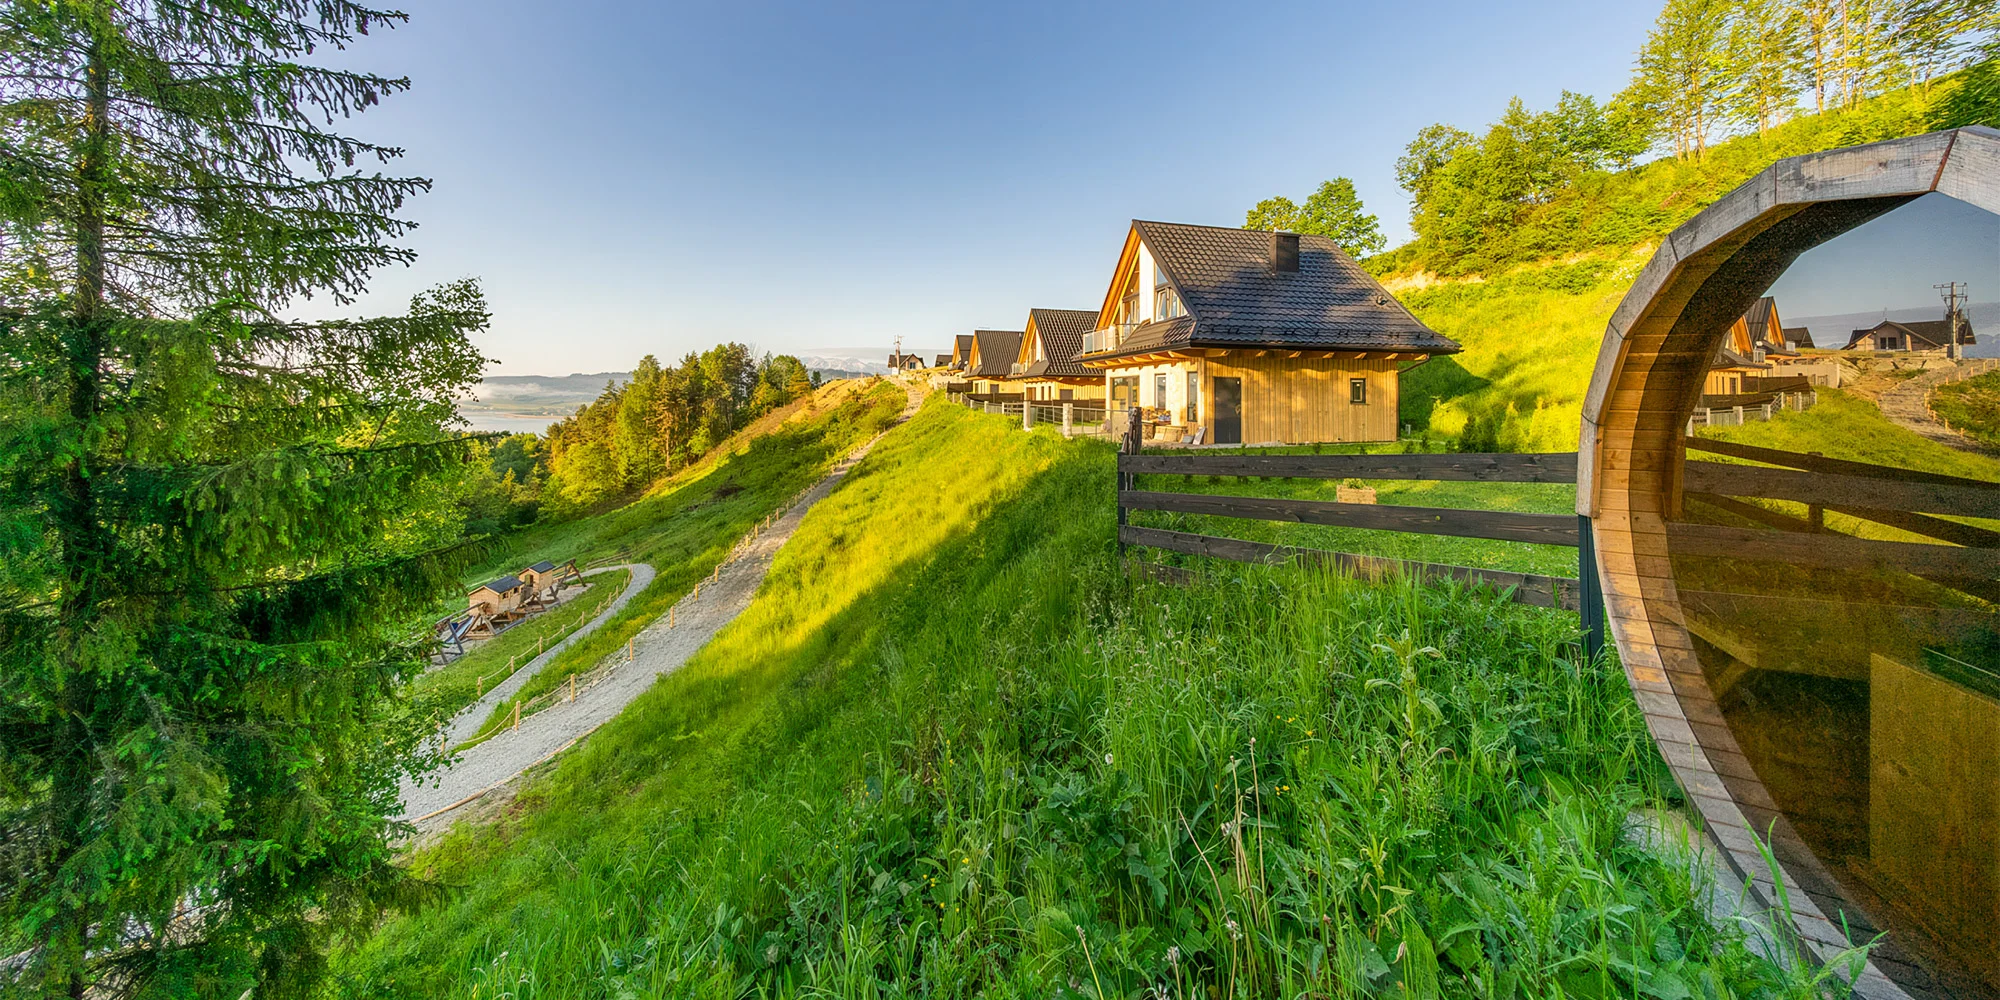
(943, 361)
(961, 351)
(991, 362)
(1930, 337)
(1230, 336)
(1046, 365)
(497, 598)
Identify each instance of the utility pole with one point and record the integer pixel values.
(896, 359)
(1954, 295)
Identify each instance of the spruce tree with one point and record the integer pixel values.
(214, 523)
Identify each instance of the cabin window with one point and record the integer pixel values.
(1887, 344)
(1069, 394)
(1160, 390)
(1357, 390)
(1166, 304)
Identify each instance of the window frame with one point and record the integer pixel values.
(1357, 391)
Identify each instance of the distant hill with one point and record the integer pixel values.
(1833, 331)
(848, 362)
(529, 403)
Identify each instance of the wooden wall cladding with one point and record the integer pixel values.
(1649, 372)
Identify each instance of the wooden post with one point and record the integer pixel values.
(517, 714)
(1128, 446)
(479, 684)
(1069, 415)
(628, 650)
(1027, 415)
(1590, 594)
(539, 641)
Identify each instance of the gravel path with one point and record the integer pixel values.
(1909, 404)
(657, 651)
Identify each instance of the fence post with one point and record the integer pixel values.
(1128, 446)
(517, 713)
(1590, 593)
(1069, 414)
(1739, 416)
(1027, 415)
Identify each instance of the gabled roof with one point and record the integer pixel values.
(500, 586)
(1234, 298)
(995, 351)
(1060, 332)
(543, 566)
(961, 349)
(1800, 336)
(942, 361)
(1935, 332)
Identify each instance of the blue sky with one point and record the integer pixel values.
(656, 177)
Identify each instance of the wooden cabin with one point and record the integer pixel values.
(943, 361)
(1231, 336)
(991, 362)
(961, 352)
(499, 597)
(1046, 365)
(1926, 337)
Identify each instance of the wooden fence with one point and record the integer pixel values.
(1574, 594)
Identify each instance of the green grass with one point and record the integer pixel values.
(687, 527)
(951, 751)
(1971, 407)
(1530, 339)
(442, 692)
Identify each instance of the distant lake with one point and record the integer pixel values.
(484, 420)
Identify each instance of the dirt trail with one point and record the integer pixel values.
(657, 651)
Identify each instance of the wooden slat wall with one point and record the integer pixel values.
(1302, 400)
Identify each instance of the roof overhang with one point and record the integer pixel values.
(1166, 355)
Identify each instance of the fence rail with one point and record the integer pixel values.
(1578, 594)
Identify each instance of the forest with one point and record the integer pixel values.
(630, 437)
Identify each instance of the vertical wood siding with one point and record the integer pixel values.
(1305, 400)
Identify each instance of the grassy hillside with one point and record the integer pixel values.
(950, 752)
(685, 527)
(1530, 337)
(1972, 407)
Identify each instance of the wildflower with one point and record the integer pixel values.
(1236, 934)
(1173, 954)
(1107, 760)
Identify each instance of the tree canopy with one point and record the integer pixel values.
(1334, 211)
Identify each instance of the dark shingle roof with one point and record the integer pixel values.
(543, 566)
(997, 350)
(1061, 333)
(1234, 299)
(1799, 335)
(962, 348)
(502, 585)
(943, 360)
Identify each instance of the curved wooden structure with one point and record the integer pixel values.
(1649, 373)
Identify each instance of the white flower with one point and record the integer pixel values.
(1107, 760)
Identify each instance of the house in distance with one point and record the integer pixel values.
(1046, 366)
(1230, 336)
(991, 362)
(1933, 337)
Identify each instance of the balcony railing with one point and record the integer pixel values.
(1016, 368)
(1106, 339)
